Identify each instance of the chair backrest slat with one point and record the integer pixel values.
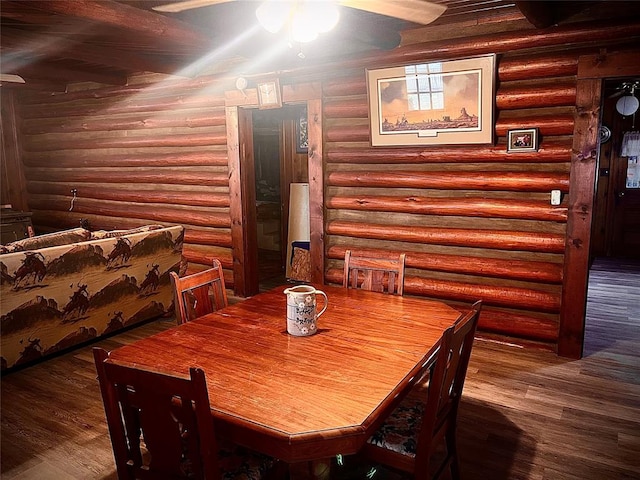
(375, 274)
(171, 416)
(200, 293)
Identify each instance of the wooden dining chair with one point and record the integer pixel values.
(200, 293)
(424, 423)
(376, 274)
(162, 427)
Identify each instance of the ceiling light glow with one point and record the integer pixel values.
(304, 19)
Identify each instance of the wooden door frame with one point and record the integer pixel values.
(592, 72)
(241, 181)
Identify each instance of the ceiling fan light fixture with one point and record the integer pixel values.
(306, 19)
(273, 14)
(325, 15)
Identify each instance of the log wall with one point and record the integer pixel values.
(151, 152)
(474, 221)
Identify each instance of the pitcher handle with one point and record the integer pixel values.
(326, 302)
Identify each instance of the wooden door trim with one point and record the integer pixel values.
(592, 71)
(239, 157)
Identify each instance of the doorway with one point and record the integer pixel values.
(616, 226)
(614, 275)
(279, 160)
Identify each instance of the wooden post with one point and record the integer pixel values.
(13, 173)
(244, 257)
(580, 211)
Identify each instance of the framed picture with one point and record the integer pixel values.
(432, 103)
(269, 94)
(523, 140)
(302, 136)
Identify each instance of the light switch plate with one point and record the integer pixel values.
(556, 197)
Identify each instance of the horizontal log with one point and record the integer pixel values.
(347, 133)
(114, 209)
(515, 97)
(556, 64)
(520, 325)
(494, 239)
(556, 152)
(559, 94)
(35, 144)
(218, 238)
(346, 108)
(531, 271)
(197, 255)
(501, 296)
(342, 87)
(500, 43)
(129, 104)
(51, 220)
(499, 181)
(193, 198)
(209, 118)
(465, 207)
(546, 125)
(149, 90)
(531, 345)
(77, 159)
(173, 177)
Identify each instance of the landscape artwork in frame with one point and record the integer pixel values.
(523, 140)
(432, 103)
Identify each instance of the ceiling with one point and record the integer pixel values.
(51, 43)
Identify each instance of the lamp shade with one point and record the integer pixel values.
(627, 105)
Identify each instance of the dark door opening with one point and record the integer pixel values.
(616, 225)
(267, 133)
(278, 162)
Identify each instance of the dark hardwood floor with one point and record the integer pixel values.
(525, 414)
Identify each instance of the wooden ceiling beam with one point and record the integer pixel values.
(55, 73)
(113, 14)
(38, 85)
(544, 14)
(24, 44)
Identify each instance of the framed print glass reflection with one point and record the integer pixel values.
(432, 103)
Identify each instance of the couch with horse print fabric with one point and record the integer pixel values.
(70, 287)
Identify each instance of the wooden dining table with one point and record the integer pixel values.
(301, 398)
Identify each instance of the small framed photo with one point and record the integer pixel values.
(523, 140)
(269, 94)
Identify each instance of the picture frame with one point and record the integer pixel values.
(522, 140)
(269, 95)
(433, 102)
(302, 135)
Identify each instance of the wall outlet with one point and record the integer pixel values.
(556, 197)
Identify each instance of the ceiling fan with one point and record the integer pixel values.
(416, 11)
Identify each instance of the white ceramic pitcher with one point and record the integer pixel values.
(302, 315)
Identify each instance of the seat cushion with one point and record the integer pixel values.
(243, 464)
(399, 433)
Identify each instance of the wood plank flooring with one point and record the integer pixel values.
(525, 414)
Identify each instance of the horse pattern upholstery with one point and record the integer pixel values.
(54, 297)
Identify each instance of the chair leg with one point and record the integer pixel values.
(452, 453)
